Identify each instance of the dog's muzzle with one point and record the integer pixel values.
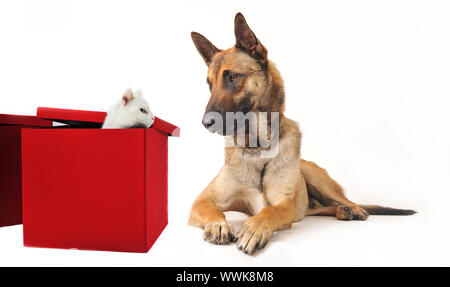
(213, 122)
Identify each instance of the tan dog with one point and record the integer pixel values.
(275, 191)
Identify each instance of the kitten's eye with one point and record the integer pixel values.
(143, 111)
(233, 77)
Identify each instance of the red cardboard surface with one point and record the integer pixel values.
(10, 176)
(10, 165)
(166, 127)
(100, 189)
(156, 184)
(70, 115)
(24, 121)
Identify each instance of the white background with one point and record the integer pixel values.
(368, 82)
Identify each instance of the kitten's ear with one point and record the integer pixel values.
(206, 49)
(127, 96)
(138, 94)
(246, 39)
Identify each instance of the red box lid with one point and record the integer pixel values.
(166, 127)
(63, 115)
(79, 116)
(17, 120)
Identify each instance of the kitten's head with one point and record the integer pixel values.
(135, 111)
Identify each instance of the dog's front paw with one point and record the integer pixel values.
(253, 235)
(219, 232)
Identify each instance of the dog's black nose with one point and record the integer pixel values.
(212, 120)
(208, 122)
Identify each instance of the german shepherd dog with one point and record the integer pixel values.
(274, 191)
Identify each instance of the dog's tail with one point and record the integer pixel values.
(381, 210)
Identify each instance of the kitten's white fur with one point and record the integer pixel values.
(131, 111)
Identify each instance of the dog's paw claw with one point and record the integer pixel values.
(219, 233)
(253, 236)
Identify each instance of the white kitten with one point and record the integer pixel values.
(132, 111)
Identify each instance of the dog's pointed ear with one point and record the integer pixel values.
(246, 39)
(206, 49)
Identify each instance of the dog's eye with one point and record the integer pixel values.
(233, 77)
(143, 110)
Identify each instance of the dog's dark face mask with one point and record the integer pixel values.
(238, 81)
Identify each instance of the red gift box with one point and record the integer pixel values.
(92, 188)
(10, 165)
